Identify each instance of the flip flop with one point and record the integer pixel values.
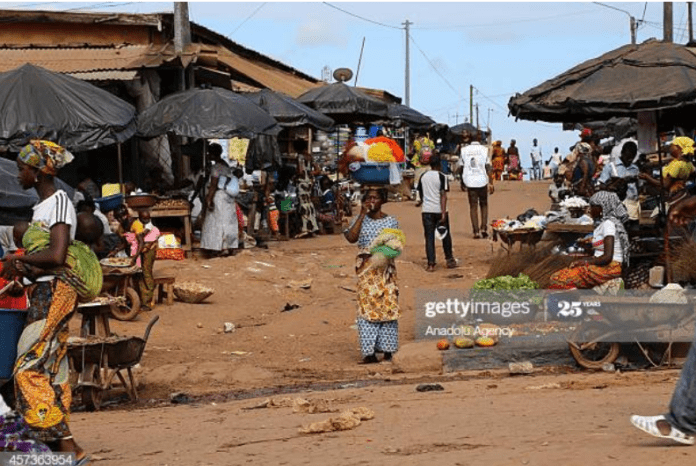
(84, 461)
(648, 424)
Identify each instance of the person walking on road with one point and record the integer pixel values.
(536, 156)
(433, 189)
(476, 178)
(679, 423)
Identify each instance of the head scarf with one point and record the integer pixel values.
(614, 210)
(685, 144)
(47, 156)
(585, 133)
(584, 148)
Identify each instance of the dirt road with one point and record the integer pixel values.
(564, 419)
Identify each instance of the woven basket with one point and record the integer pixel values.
(192, 292)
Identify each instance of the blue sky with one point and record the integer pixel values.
(500, 48)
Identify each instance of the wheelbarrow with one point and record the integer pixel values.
(120, 282)
(98, 359)
(596, 342)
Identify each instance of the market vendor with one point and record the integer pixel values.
(378, 293)
(610, 244)
(677, 171)
(71, 271)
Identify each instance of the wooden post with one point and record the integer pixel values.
(122, 187)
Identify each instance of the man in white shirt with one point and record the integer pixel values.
(624, 168)
(556, 160)
(475, 176)
(433, 189)
(535, 154)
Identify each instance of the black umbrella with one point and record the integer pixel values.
(408, 116)
(345, 104)
(288, 111)
(650, 76)
(464, 128)
(206, 113)
(38, 103)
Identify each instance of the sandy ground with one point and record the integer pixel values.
(312, 350)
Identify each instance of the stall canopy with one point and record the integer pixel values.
(345, 104)
(464, 128)
(651, 76)
(206, 113)
(37, 103)
(16, 202)
(289, 112)
(407, 116)
(618, 128)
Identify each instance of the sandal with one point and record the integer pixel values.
(84, 461)
(648, 424)
(477, 236)
(452, 263)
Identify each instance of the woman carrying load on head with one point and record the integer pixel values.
(498, 160)
(380, 240)
(63, 271)
(610, 244)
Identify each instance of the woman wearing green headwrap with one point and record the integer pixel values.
(62, 271)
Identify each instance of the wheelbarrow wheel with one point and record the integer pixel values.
(589, 353)
(129, 310)
(92, 394)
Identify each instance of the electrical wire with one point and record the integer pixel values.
(433, 66)
(247, 18)
(360, 17)
(529, 20)
(94, 6)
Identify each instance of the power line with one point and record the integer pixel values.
(99, 5)
(434, 68)
(248, 18)
(645, 8)
(360, 17)
(529, 20)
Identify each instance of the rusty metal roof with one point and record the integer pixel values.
(74, 60)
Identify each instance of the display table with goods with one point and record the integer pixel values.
(177, 208)
(377, 161)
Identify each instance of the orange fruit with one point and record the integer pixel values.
(464, 343)
(443, 345)
(485, 341)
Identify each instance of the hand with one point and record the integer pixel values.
(578, 263)
(491, 189)
(9, 271)
(644, 176)
(683, 212)
(364, 209)
(211, 205)
(443, 218)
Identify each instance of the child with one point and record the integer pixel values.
(142, 236)
(15, 297)
(557, 192)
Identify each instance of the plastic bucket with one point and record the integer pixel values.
(11, 326)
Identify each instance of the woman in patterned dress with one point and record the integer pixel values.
(378, 293)
(305, 184)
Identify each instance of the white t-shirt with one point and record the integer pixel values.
(474, 158)
(431, 185)
(56, 208)
(606, 228)
(536, 154)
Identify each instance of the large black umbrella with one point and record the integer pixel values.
(345, 104)
(288, 111)
(616, 127)
(464, 128)
(16, 202)
(206, 113)
(38, 103)
(408, 116)
(651, 76)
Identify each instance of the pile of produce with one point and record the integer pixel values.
(381, 149)
(483, 335)
(506, 282)
(574, 202)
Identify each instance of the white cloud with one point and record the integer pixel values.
(317, 34)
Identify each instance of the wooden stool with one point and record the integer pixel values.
(164, 285)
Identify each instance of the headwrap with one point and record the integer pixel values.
(614, 210)
(47, 156)
(586, 132)
(685, 144)
(498, 143)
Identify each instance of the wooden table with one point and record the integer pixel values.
(181, 212)
(526, 236)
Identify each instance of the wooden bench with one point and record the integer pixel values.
(164, 285)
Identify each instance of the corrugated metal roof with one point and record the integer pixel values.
(110, 75)
(73, 60)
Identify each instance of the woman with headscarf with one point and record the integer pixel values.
(63, 271)
(498, 160)
(380, 240)
(581, 176)
(678, 171)
(220, 228)
(610, 244)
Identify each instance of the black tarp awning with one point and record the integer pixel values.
(288, 111)
(345, 104)
(408, 116)
(38, 103)
(207, 114)
(650, 76)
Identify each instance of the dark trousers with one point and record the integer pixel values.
(478, 197)
(430, 223)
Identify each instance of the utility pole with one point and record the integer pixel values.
(182, 35)
(407, 85)
(471, 103)
(667, 22)
(632, 24)
(477, 118)
(691, 24)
